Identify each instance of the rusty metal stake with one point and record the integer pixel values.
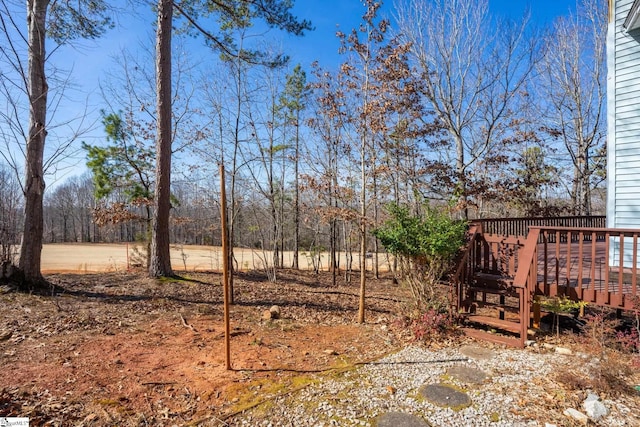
(225, 268)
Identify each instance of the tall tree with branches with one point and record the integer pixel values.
(360, 45)
(160, 260)
(472, 76)
(328, 121)
(293, 102)
(379, 87)
(125, 165)
(573, 79)
(269, 158)
(230, 14)
(59, 22)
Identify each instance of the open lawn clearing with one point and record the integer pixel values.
(99, 257)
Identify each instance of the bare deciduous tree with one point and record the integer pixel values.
(327, 161)
(472, 76)
(378, 85)
(362, 45)
(269, 154)
(293, 102)
(10, 195)
(573, 86)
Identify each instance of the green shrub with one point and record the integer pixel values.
(560, 304)
(425, 246)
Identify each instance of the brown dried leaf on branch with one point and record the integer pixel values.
(114, 214)
(178, 220)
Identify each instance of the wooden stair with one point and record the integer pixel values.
(481, 335)
(492, 329)
(495, 281)
(492, 322)
(488, 293)
(494, 285)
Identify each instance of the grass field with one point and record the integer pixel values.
(99, 257)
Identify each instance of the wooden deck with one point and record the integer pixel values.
(598, 266)
(581, 271)
(595, 265)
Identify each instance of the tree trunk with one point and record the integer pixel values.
(462, 180)
(274, 226)
(376, 269)
(160, 264)
(363, 232)
(148, 232)
(347, 252)
(65, 235)
(31, 248)
(333, 244)
(296, 200)
(585, 184)
(281, 219)
(334, 202)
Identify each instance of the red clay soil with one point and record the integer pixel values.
(121, 349)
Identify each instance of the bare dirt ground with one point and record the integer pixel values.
(116, 348)
(121, 349)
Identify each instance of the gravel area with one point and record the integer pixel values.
(520, 390)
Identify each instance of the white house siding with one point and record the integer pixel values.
(623, 110)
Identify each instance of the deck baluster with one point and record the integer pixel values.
(581, 237)
(634, 267)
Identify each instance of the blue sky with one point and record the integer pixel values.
(88, 60)
(329, 15)
(321, 44)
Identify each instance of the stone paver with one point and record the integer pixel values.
(467, 374)
(476, 352)
(400, 419)
(445, 395)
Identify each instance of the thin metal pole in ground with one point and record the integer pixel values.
(225, 267)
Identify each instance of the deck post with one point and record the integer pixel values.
(536, 312)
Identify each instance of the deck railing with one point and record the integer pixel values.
(601, 270)
(466, 267)
(520, 226)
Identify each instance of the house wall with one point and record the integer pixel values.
(623, 114)
(623, 109)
